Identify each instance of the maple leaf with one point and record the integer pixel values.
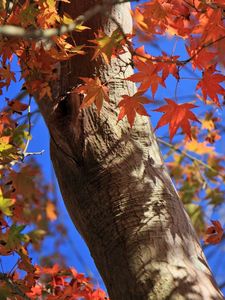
(62, 50)
(94, 91)
(176, 115)
(214, 232)
(132, 105)
(150, 18)
(13, 239)
(210, 26)
(108, 46)
(148, 76)
(7, 75)
(17, 106)
(209, 85)
(169, 67)
(201, 58)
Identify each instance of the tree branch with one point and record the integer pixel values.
(19, 32)
(13, 286)
(178, 62)
(186, 154)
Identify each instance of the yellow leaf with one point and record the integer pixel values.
(199, 148)
(67, 19)
(5, 205)
(80, 27)
(208, 124)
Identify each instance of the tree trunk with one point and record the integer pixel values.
(116, 186)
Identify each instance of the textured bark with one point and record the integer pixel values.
(116, 186)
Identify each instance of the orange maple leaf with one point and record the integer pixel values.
(209, 85)
(94, 91)
(176, 115)
(130, 105)
(64, 50)
(148, 76)
(214, 232)
(109, 46)
(150, 17)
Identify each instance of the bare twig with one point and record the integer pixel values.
(29, 127)
(194, 159)
(20, 32)
(178, 62)
(13, 286)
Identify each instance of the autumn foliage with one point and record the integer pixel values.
(26, 205)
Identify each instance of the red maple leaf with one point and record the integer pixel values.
(202, 58)
(211, 25)
(209, 85)
(176, 115)
(148, 76)
(168, 66)
(214, 232)
(132, 105)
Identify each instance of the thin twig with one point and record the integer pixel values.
(13, 286)
(194, 159)
(33, 153)
(184, 62)
(29, 127)
(20, 32)
(178, 62)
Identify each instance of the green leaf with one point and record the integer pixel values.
(16, 237)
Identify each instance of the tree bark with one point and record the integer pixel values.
(115, 185)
